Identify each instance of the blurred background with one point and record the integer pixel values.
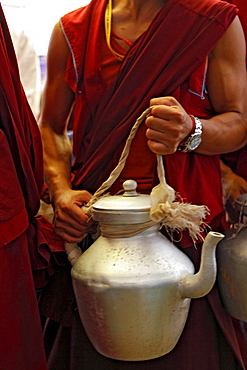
(31, 23)
(38, 17)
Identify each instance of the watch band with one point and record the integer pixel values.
(194, 139)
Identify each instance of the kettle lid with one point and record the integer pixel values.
(126, 208)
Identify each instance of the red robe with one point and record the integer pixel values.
(103, 116)
(23, 245)
(21, 345)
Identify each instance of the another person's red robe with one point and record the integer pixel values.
(24, 238)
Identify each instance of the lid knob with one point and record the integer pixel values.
(130, 188)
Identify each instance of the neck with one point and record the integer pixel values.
(131, 18)
(138, 8)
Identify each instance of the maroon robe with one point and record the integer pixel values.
(103, 117)
(23, 245)
(21, 345)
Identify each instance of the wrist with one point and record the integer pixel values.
(57, 191)
(193, 127)
(193, 140)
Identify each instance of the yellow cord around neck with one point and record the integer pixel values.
(108, 18)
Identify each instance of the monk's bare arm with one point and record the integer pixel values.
(228, 93)
(169, 124)
(57, 101)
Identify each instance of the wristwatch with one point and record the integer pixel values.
(195, 139)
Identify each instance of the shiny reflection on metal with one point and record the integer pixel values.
(133, 292)
(232, 264)
(128, 292)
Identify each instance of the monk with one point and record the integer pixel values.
(185, 58)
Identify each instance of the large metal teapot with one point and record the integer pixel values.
(133, 286)
(232, 261)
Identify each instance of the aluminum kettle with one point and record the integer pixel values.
(133, 286)
(232, 261)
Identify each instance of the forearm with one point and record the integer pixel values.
(70, 221)
(169, 126)
(223, 133)
(57, 161)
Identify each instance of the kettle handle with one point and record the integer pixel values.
(121, 163)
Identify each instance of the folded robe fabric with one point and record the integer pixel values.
(22, 234)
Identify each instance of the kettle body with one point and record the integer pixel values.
(232, 264)
(127, 295)
(133, 286)
(232, 272)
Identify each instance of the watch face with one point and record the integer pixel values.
(194, 142)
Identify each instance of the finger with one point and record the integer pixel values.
(169, 113)
(158, 127)
(71, 227)
(82, 197)
(169, 134)
(70, 238)
(158, 124)
(160, 148)
(77, 213)
(71, 213)
(75, 227)
(164, 100)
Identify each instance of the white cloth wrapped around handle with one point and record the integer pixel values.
(174, 215)
(73, 252)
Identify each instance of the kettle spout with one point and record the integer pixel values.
(200, 284)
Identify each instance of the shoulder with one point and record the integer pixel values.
(232, 41)
(74, 17)
(77, 17)
(209, 8)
